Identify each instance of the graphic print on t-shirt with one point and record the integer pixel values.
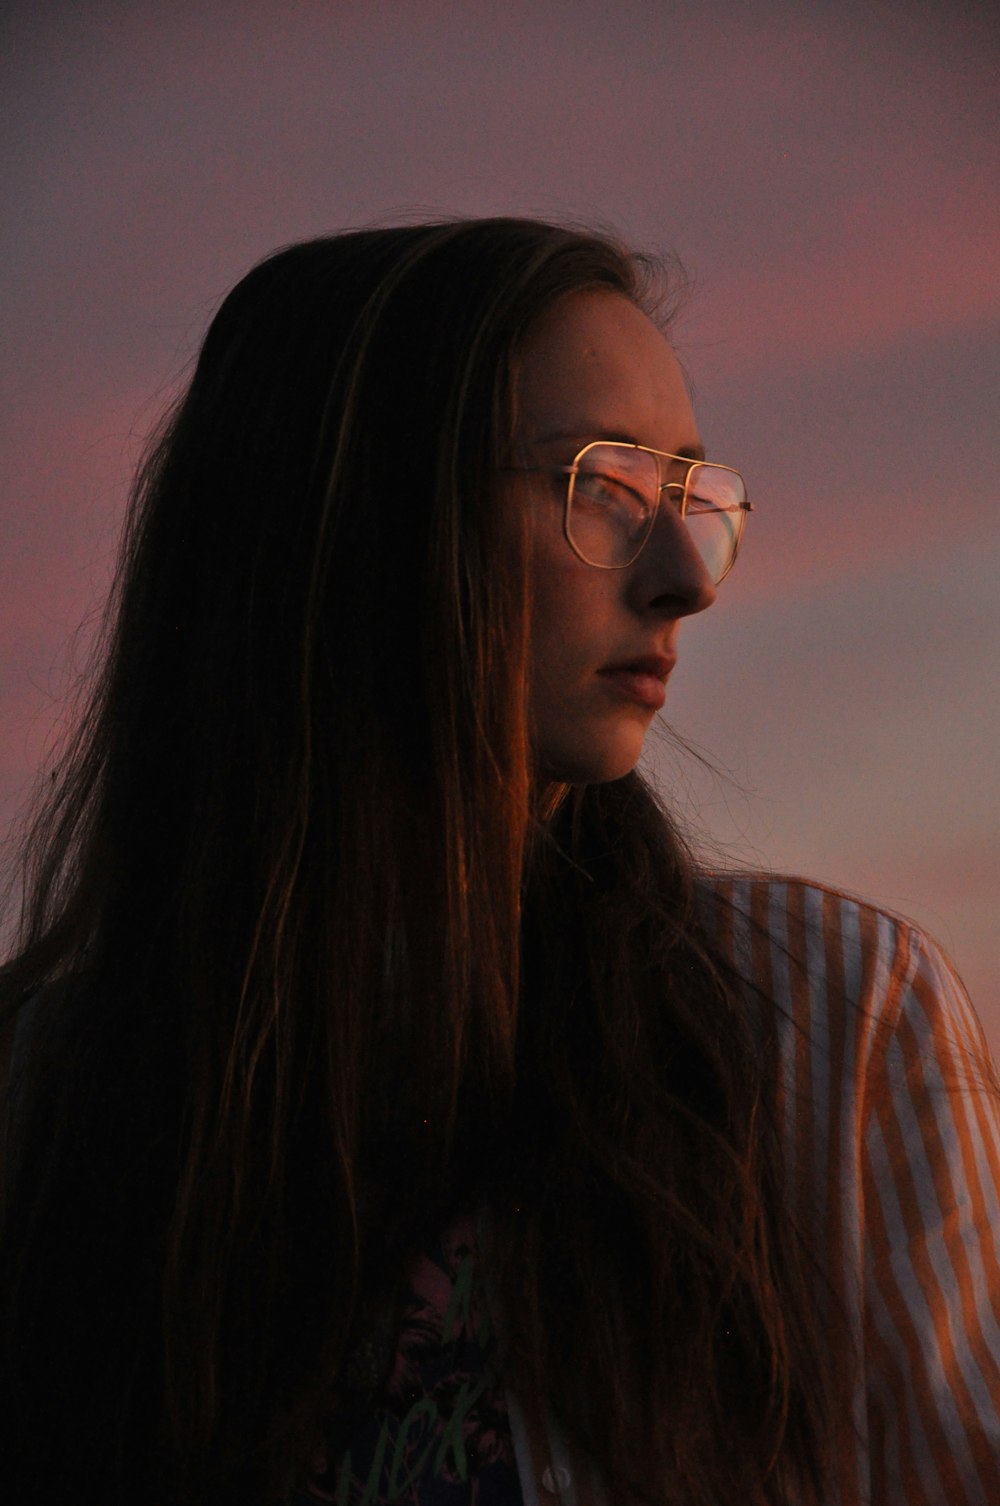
(438, 1434)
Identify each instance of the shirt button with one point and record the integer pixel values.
(556, 1479)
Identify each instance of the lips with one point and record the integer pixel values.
(643, 679)
(657, 665)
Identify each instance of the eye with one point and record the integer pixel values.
(709, 504)
(702, 504)
(611, 494)
(714, 490)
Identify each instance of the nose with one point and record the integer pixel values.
(670, 575)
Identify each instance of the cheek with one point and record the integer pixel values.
(581, 734)
(573, 622)
(562, 615)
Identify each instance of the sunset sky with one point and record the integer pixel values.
(830, 177)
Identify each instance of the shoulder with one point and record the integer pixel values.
(834, 964)
(36, 1046)
(42, 1021)
(82, 1055)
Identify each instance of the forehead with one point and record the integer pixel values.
(595, 364)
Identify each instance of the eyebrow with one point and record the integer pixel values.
(590, 436)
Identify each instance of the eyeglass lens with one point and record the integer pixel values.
(715, 516)
(613, 499)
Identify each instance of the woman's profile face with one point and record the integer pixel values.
(603, 641)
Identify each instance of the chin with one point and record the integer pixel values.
(591, 765)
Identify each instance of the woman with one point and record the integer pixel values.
(396, 1112)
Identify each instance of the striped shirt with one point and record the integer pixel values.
(891, 1119)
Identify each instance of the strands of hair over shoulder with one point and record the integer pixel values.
(319, 971)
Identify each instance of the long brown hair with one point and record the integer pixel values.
(309, 937)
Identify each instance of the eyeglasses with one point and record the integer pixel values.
(613, 493)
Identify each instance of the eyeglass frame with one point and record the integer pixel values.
(573, 470)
